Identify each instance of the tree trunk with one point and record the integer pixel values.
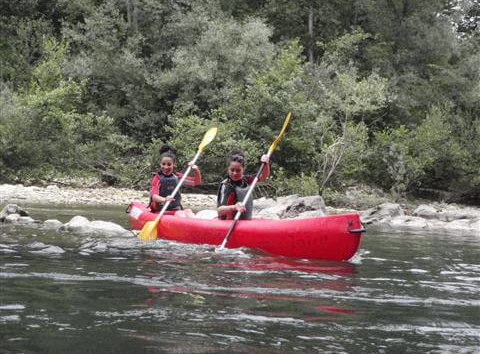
(132, 14)
(310, 34)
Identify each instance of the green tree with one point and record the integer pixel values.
(44, 129)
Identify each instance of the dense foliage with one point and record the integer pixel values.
(385, 93)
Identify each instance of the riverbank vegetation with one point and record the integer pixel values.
(383, 93)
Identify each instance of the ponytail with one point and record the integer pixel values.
(168, 151)
(236, 156)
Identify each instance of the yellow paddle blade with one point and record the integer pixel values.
(275, 143)
(149, 231)
(207, 138)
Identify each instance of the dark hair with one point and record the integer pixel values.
(168, 151)
(236, 156)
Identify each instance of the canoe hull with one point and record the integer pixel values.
(332, 237)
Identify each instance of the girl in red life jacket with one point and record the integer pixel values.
(165, 181)
(234, 188)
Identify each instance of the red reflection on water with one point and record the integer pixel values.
(292, 264)
(339, 281)
(334, 309)
(153, 290)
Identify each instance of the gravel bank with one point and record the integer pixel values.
(54, 194)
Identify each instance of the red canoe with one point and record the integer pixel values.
(331, 237)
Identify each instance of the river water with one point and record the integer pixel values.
(65, 293)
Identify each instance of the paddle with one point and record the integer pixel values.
(252, 186)
(149, 231)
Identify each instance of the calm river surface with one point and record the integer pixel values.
(401, 293)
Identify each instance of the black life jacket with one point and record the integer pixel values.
(167, 185)
(231, 192)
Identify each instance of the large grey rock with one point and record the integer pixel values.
(310, 214)
(262, 203)
(452, 212)
(78, 224)
(381, 212)
(475, 225)
(462, 227)
(417, 224)
(407, 223)
(82, 225)
(12, 218)
(26, 220)
(426, 211)
(52, 224)
(37, 245)
(10, 209)
(288, 200)
(49, 250)
(273, 212)
(288, 207)
(446, 212)
(304, 204)
(109, 228)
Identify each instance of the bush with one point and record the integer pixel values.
(303, 185)
(43, 129)
(403, 160)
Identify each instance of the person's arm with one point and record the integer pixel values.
(197, 176)
(229, 209)
(266, 169)
(162, 200)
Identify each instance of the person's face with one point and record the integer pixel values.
(167, 165)
(235, 171)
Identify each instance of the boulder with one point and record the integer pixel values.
(78, 224)
(426, 211)
(82, 225)
(475, 225)
(109, 228)
(262, 203)
(12, 218)
(52, 224)
(273, 212)
(446, 212)
(460, 226)
(304, 204)
(452, 212)
(382, 212)
(37, 245)
(49, 250)
(310, 214)
(288, 207)
(12, 209)
(26, 220)
(408, 223)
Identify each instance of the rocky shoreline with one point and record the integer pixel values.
(392, 217)
(53, 194)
